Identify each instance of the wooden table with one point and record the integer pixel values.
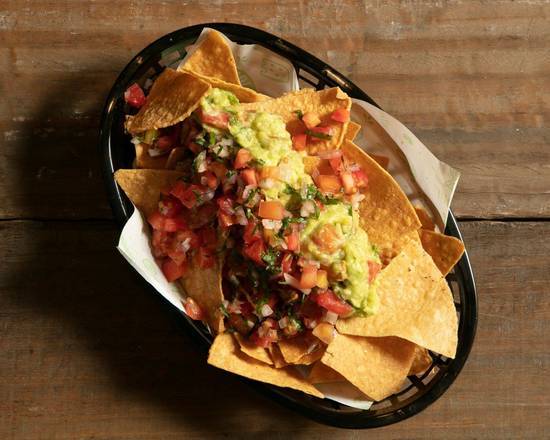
(87, 352)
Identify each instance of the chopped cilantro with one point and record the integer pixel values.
(230, 173)
(318, 135)
(211, 138)
(224, 310)
(198, 196)
(251, 195)
(299, 114)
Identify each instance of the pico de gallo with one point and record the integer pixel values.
(294, 253)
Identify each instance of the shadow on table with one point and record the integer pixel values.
(71, 280)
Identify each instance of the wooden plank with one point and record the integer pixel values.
(471, 81)
(88, 351)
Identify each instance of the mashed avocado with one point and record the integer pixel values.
(338, 242)
(218, 99)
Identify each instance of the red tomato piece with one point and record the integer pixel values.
(177, 255)
(172, 271)
(246, 308)
(336, 164)
(208, 237)
(340, 115)
(273, 210)
(308, 280)
(161, 243)
(225, 203)
(134, 96)
(215, 118)
(286, 262)
(325, 131)
(189, 197)
(219, 170)
(164, 143)
(193, 310)
(374, 268)
(225, 220)
(348, 182)
(329, 183)
(255, 251)
(243, 157)
(210, 180)
(299, 141)
(252, 232)
(249, 177)
(156, 220)
(174, 224)
(328, 300)
(170, 207)
(293, 240)
(201, 216)
(187, 238)
(361, 178)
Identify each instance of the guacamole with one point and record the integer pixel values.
(338, 242)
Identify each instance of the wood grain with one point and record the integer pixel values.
(89, 351)
(471, 80)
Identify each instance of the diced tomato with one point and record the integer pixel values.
(190, 196)
(374, 268)
(178, 190)
(336, 164)
(177, 254)
(340, 115)
(265, 334)
(311, 312)
(328, 300)
(161, 243)
(273, 210)
(327, 238)
(164, 143)
(326, 131)
(219, 170)
(293, 240)
(225, 203)
(348, 182)
(226, 220)
(255, 251)
(286, 263)
(201, 216)
(194, 147)
(252, 232)
(172, 271)
(361, 179)
(170, 207)
(243, 157)
(238, 323)
(329, 183)
(210, 180)
(186, 238)
(208, 237)
(246, 308)
(174, 224)
(205, 258)
(193, 310)
(311, 119)
(260, 341)
(308, 279)
(215, 118)
(156, 220)
(299, 141)
(249, 177)
(134, 96)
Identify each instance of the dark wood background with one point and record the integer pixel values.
(87, 352)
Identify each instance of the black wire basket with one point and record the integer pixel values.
(116, 152)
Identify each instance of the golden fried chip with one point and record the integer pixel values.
(173, 97)
(296, 348)
(214, 58)
(312, 357)
(415, 304)
(445, 250)
(143, 186)
(243, 94)
(377, 366)
(205, 287)
(310, 163)
(320, 373)
(386, 213)
(421, 361)
(145, 160)
(225, 354)
(425, 219)
(252, 350)
(352, 131)
(277, 356)
(322, 102)
(383, 161)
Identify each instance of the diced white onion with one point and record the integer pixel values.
(354, 167)
(267, 183)
(331, 317)
(312, 347)
(332, 154)
(291, 281)
(308, 208)
(266, 310)
(274, 225)
(226, 142)
(311, 324)
(186, 244)
(356, 199)
(200, 162)
(136, 140)
(225, 303)
(285, 173)
(241, 216)
(283, 322)
(208, 195)
(154, 152)
(246, 191)
(249, 323)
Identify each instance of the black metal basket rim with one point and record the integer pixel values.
(330, 77)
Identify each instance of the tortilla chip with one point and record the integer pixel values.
(252, 350)
(415, 304)
(425, 219)
(213, 58)
(243, 94)
(174, 157)
(377, 366)
(421, 361)
(225, 354)
(144, 160)
(310, 163)
(205, 287)
(352, 131)
(277, 356)
(322, 102)
(173, 97)
(320, 373)
(312, 357)
(386, 213)
(445, 250)
(296, 348)
(383, 161)
(143, 186)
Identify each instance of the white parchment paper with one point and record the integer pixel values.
(427, 181)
